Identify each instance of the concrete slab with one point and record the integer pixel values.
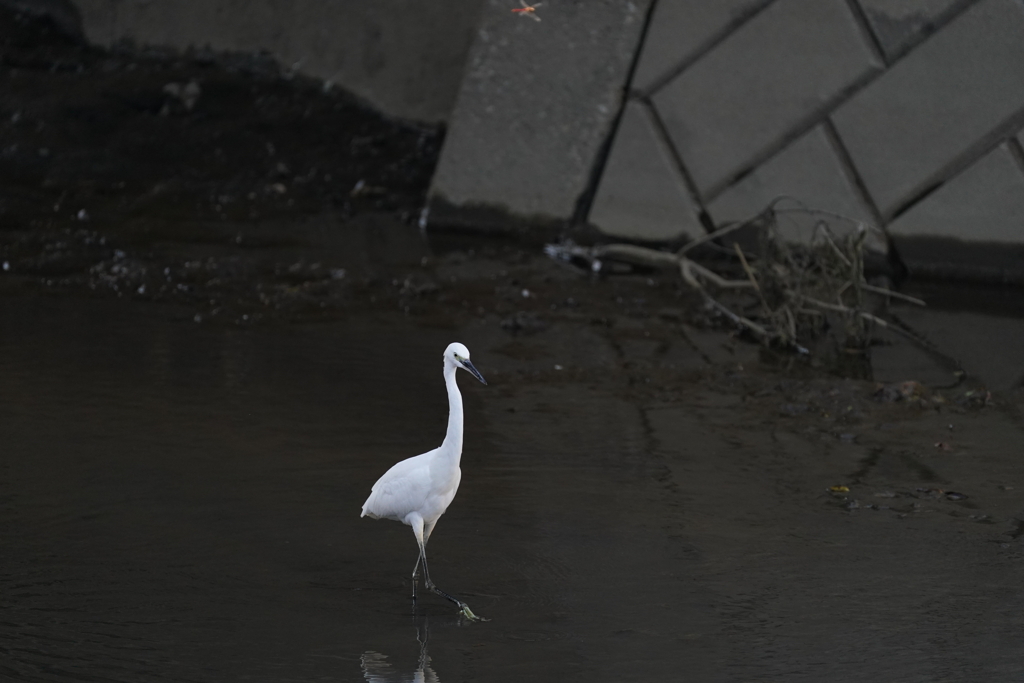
(985, 203)
(681, 29)
(642, 194)
(810, 172)
(974, 221)
(404, 58)
(772, 75)
(536, 105)
(920, 120)
(900, 24)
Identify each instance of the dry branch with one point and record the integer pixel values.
(798, 288)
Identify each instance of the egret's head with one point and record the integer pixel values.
(458, 356)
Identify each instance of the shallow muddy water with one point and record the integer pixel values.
(180, 502)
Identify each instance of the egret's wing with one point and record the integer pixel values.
(401, 490)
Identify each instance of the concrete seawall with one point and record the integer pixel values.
(907, 115)
(654, 120)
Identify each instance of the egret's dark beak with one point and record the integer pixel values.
(473, 371)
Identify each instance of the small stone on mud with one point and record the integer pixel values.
(793, 408)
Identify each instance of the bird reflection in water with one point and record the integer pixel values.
(377, 668)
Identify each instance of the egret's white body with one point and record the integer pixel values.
(418, 490)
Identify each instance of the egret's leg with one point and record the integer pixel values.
(415, 574)
(427, 530)
(417, 528)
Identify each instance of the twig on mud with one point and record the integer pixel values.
(688, 268)
(640, 256)
(721, 232)
(888, 292)
(753, 280)
(739, 319)
(863, 314)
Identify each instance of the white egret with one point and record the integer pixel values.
(418, 490)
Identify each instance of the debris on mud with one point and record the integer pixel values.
(974, 398)
(903, 391)
(781, 292)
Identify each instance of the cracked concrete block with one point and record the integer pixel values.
(974, 221)
(642, 194)
(680, 29)
(809, 171)
(776, 72)
(900, 24)
(918, 121)
(536, 104)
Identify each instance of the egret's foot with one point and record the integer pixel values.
(468, 613)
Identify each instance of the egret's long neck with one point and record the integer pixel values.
(453, 439)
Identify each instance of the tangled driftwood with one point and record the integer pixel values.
(794, 290)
